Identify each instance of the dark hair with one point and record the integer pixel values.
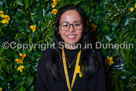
(87, 60)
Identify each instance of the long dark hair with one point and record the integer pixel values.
(88, 60)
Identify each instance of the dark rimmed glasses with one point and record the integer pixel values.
(77, 25)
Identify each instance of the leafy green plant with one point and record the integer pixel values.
(113, 22)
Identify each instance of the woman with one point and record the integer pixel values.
(70, 66)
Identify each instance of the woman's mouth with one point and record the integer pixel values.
(71, 36)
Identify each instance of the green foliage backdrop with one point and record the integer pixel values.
(115, 21)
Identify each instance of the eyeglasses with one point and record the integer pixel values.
(76, 25)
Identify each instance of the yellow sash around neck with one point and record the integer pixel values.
(77, 69)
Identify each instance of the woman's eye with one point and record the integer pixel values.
(76, 24)
(65, 25)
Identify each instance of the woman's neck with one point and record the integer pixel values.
(71, 46)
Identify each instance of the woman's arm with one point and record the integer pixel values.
(100, 83)
(41, 81)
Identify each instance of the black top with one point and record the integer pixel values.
(71, 56)
(45, 82)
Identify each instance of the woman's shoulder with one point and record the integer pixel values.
(99, 58)
(95, 52)
(46, 55)
(47, 52)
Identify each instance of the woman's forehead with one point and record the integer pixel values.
(70, 16)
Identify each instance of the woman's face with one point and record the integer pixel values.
(71, 34)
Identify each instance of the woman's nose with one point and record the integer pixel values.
(71, 28)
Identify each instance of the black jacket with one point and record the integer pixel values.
(45, 82)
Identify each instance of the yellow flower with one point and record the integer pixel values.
(54, 11)
(54, 4)
(16, 59)
(22, 55)
(19, 61)
(55, 0)
(20, 68)
(131, 9)
(1, 12)
(33, 27)
(6, 17)
(2, 15)
(109, 61)
(135, 5)
(0, 89)
(4, 21)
